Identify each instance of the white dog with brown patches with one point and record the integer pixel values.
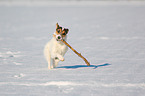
(55, 49)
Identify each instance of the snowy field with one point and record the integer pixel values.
(110, 35)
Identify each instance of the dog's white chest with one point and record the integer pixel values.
(60, 48)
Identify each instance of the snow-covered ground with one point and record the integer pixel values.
(110, 36)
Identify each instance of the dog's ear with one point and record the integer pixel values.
(57, 26)
(66, 30)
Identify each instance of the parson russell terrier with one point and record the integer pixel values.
(55, 49)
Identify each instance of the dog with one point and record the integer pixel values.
(55, 49)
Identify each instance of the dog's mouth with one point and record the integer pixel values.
(61, 34)
(59, 37)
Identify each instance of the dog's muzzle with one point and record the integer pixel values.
(58, 37)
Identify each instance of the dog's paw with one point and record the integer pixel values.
(50, 67)
(62, 59)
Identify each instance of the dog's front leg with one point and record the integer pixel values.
(49, 63)
(60, 57)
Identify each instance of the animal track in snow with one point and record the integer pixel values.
(16, 63)
(19, 75)
(10, 54)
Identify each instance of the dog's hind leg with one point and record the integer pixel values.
(55, 62)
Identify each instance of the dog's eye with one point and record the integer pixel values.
(63, 34)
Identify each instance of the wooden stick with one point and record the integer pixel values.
(79, 54)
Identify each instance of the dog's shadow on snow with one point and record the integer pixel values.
(84, 66)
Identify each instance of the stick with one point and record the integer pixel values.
(79, 54)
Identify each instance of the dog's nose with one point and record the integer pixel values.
(59, 37)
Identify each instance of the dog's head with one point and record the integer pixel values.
(60, 32)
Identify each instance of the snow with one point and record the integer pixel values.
(110, 35)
